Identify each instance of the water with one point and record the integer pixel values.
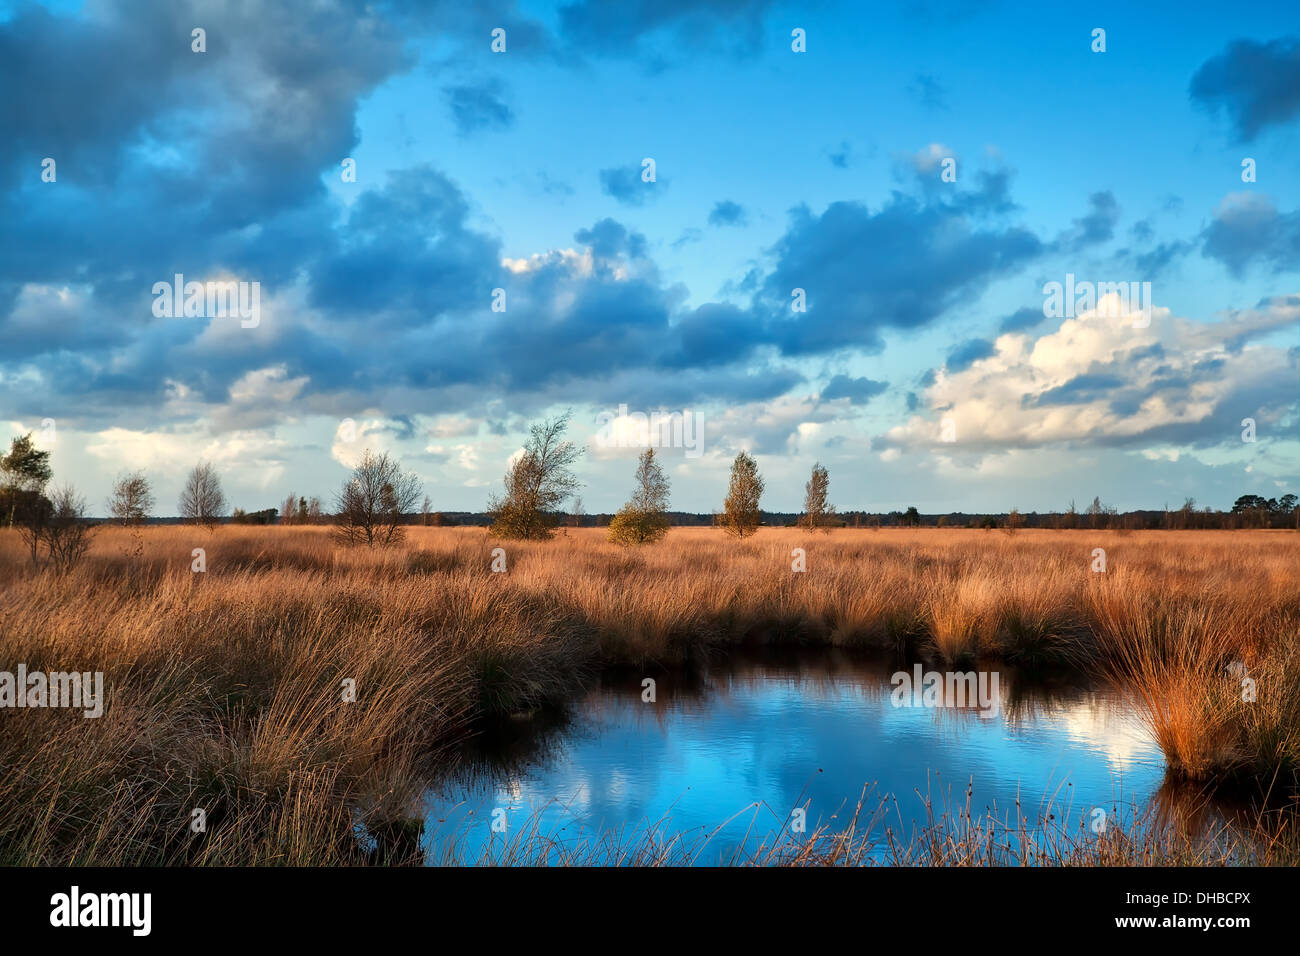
(807, 730)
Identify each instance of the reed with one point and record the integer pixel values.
(226, 688)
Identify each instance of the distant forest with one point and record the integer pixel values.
(1249, 511)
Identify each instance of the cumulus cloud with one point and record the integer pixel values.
(256, 454)
(775, 427)
(1096, 380)
(353, 438)
(259, 398)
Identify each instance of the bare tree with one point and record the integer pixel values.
(374, 501)
(131, 499)
(289, 509)
(65, 532)
(33, 516)
(202, 500)
(539, 481)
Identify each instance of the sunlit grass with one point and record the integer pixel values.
(226, 687)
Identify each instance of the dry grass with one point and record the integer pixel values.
(225, 687)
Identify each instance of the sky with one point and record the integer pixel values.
(445, 216)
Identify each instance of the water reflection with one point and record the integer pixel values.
(753, 737)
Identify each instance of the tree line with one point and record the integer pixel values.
(379, 499)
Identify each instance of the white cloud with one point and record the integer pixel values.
(1097, 379)
(352, 439)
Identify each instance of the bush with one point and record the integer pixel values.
(634, 527)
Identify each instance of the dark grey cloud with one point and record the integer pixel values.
(1256, 84)
(858, 391)
(478, 106)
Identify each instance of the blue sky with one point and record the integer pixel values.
(775, 170)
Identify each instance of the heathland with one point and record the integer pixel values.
(300, 692)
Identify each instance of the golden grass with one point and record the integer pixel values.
(225, 687)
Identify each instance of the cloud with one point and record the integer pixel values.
(963, 355)
(625, 184)
(352, 439)
(899, 266)
(858, 391)
(775, 427)
(478, 106)
(657, 27)
(406, 254)
(929, 92)
(1022, 319)
(609, 239)
(728, 213)
(259, 399)
(1094, 228)
(1156, 261)
(840, 155)
(1098, 381)
(1256, 84)
(253, 452)
(1247, 229)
